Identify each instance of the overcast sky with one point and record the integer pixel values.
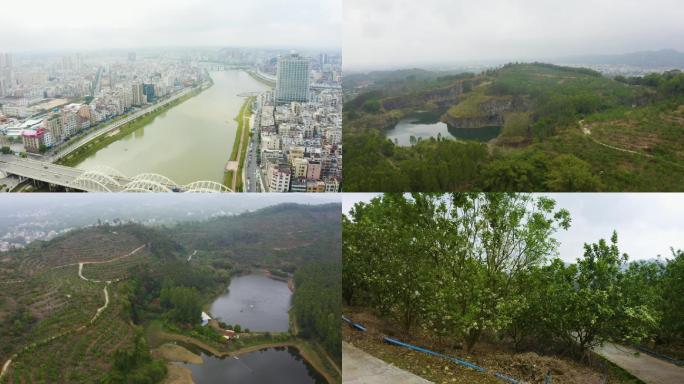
(402, 33)
(36, 25)
(647, 224)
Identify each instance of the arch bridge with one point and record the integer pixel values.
(99, 179)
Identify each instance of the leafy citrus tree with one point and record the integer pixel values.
(449, 262)
(580, 306)
(672, 288)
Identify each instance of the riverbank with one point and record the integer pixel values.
(232, 178)
(79, 155)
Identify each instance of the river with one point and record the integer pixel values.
(427, 125)
(189, 142)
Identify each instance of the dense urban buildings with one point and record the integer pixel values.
(45, 102)
(298, 145)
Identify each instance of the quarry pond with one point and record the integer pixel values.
(426, 125)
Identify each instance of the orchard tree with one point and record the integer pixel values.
(672, 288)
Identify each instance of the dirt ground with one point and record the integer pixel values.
(178, 375)
(173, 352)
(528, 367)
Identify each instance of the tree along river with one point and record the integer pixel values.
(189, 142)
(260, 304)
(426, 125)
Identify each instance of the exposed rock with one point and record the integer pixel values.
(491, 113)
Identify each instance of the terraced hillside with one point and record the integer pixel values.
(562, 129)
(60, 321)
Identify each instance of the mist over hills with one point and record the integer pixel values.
(665, 58)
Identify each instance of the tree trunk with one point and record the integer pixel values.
(471, 340)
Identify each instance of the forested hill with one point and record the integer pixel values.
(282, 235)
(561, 129)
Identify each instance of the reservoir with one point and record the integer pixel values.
(189, 142)
(256, 302)
(259, 303)
(427, 125)
(267, 366)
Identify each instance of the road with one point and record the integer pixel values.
(645, 367)
(47, 172)
(358, 367)
(251, 169)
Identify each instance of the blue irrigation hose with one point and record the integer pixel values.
(506, 378)
(429, 352)
(452, 359)
(353, 324)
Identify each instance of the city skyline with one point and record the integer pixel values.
(446, 32)
(170, 24)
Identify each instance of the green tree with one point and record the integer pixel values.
(567, 173)
(186, 305)
(449, 261)
(672, 287)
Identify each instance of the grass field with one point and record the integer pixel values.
(238, 153)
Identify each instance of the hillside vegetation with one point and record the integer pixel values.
(563, 129)
(281, 236)
(475, 276)
(82, 307)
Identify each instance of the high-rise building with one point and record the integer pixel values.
(138, 95)
(5, 60)
(292, 79)
(148, 90)
(131, 57)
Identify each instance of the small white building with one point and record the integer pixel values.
(205, 318)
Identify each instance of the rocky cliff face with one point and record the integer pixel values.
(441, 97)
(491, 113)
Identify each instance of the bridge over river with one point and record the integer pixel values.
(101, 179)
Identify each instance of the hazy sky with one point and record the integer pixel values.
(35, 25)
(402, 33)
(647, 224)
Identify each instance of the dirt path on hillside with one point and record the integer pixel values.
(358, 367)
(102, 308)
(587, 133)
(645, 367)
(5, 367)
